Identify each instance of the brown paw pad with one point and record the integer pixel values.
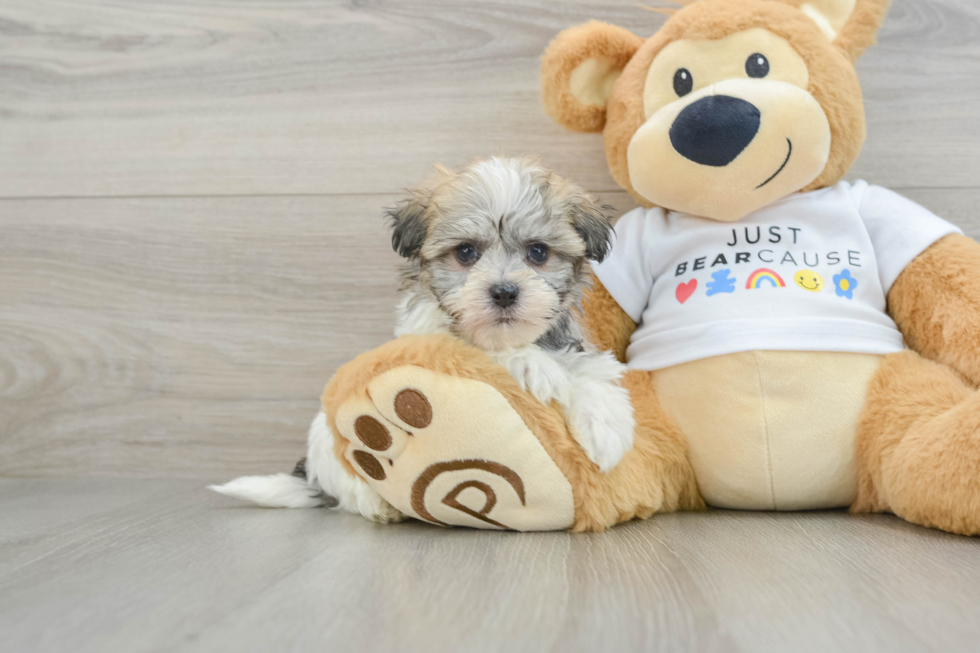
(472, 462)
(413, 408)
(372, 433)
(370, 465)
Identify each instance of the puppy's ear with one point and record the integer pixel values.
(593, 226)
(409, 225)
(578, 71)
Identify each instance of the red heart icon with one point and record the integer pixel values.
(685, 290)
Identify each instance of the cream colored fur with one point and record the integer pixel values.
(587, 387)
(324, 475)
(771, 430)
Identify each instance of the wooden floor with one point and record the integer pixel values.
(191, 242)
(124, 565)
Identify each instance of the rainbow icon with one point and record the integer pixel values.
(765, 274)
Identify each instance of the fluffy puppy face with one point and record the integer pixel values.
(502, 245)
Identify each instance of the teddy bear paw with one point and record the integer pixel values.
(452, 451)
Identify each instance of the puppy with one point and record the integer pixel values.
(496, 254)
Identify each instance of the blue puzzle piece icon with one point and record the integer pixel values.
(723, 282)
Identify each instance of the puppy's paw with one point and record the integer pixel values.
(370, 505)
(600, 418)
(538, 372)
(350, 492)
(356, 496)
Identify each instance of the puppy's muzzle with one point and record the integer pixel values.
(504, 294)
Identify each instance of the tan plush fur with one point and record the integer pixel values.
(759, 430)
(936, 304)
(861, 29)
(919, 445)
(593, 40)
(654, 477)
(608, 325)
(833, 80)
(918, 434)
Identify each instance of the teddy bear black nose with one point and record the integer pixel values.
(715, 129)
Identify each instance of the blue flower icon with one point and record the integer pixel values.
(845, 284)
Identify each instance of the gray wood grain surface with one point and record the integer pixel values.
(259, 97)
(191, 242)
(191, 337)
(136, 565)
(191, 196)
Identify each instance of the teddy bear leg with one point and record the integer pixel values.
(444, 435)
(655, 476)
(919, 445)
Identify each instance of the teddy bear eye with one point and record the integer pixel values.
(757, 66)
(683, 82)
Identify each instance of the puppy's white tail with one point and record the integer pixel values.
(275, 491)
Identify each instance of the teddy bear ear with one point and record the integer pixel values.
(578, 71)
(852, 25)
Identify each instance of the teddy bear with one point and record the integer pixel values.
(794, 341)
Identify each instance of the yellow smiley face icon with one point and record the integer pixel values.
(808, 280)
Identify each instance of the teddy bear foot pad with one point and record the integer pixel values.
(452, 451)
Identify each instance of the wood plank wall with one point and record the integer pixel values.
(191, 196)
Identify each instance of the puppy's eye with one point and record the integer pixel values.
(683, 82)
(757, 66)
(467, 254)
(538, 253)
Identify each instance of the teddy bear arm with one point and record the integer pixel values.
(936, 304)
(608, 325)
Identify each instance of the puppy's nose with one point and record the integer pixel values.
(504, 294)
(715, 129)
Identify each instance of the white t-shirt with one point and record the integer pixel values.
(807, 273)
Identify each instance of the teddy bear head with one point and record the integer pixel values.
(731, 105)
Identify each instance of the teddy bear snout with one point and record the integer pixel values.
(714, 130)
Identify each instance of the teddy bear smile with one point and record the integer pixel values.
(781, 168)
